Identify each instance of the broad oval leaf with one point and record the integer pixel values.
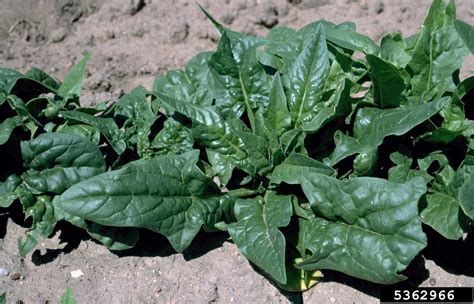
(166, 194)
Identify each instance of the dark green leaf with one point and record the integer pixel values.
(307, 77)
(107, 127)
(368, 227)
(7, 127)
(438, 53)
(372, 125)
(256, 232)
(388, 83)
(166, 194)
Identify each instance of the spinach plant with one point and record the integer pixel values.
(308, 156)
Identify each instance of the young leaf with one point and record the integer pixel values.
(466, 32)
(307, 77)
(444, 210)
(394, 50)
(242, 76)
(226, 147)
(388, 83)
(438, 53)
(107, 127)
(372, 125)
(174, 138)
(277, 116)
(72, 84)
(68, 297)
(339, 105)
(256, 232)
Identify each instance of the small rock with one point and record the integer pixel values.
(75, 274)
(203, 34)
(138, 32)
(3, 272)
(228, 18)
(268, 16)
(379, 7)
(135, 6)
(180, 32)
(58, 35)
(333, 300)
(307, 4)
(110, 34)
(15, 276)
(432, 281)
(88, 39)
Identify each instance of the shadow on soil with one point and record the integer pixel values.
(453, 256)
(150, 244)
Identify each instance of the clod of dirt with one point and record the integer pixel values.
(138, 32)
(135, 6)
(307, 4)
(268, 15)
(69, 10)
(15, 276)
(227, 18)
(110, 34)
(180, 32)
(379, 7)
(58, 35)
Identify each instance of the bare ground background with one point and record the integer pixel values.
(132, 41)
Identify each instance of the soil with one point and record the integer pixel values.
(132, 41)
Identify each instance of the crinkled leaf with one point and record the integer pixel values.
(339, 105)
(86, 131)
(367, 227)
(59, 160)
(139, 119)
(242, 76)
(7, 191)
(256, 232)
(372, 125)
(226, 147)
(174, 138)
(107, 127)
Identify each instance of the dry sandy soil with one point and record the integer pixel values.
(132, 41)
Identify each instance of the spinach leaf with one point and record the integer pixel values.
(166, 194)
